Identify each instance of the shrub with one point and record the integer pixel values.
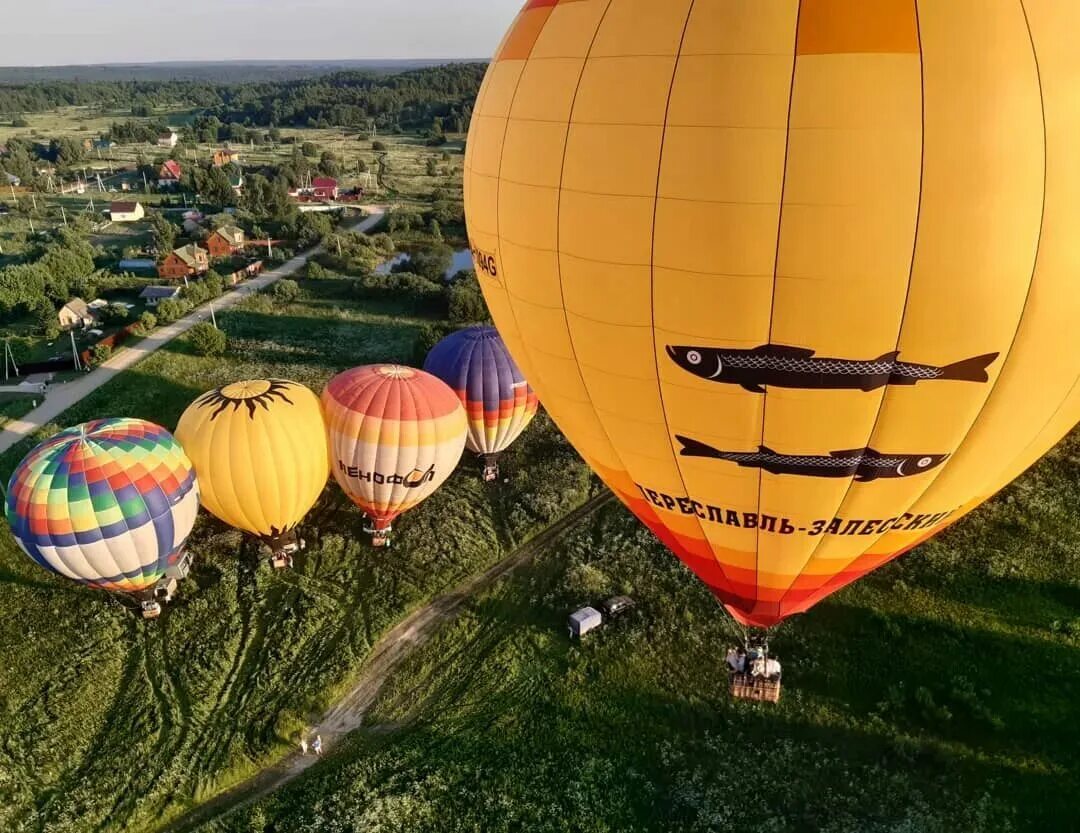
(100, 354)
(170, 310)
(208, 340)
(378, 146)
(115, 313)
(147, 322)
(215, 284)
(285, 291)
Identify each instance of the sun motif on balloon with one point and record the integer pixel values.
(252, 394)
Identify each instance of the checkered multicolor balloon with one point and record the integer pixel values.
(109, 504)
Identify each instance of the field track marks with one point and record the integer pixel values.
(396, 646)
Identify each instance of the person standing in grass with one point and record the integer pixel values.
(303, 745)
(317, 745)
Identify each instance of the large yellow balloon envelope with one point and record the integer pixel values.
(798, 279)
(259, 448)
(396, 434)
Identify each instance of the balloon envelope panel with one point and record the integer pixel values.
(796, 278)
(260, 450)
(498, 401)
(396, 434)
(108, 504)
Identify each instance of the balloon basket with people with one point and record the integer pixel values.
(380, 534)
(490, 468)
(753, 673)
(280, 550)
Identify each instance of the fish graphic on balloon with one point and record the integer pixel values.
(864, 464)
(781, 366)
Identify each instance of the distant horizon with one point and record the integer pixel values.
(252, 62)
(126, 32)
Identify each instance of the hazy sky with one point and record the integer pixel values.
(50, 32)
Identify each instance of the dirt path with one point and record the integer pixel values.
(63, 397)
(390, 651)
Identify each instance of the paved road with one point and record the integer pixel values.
(389, 652)
(64, 396)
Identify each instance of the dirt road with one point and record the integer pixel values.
(63, 397)
(396, 646)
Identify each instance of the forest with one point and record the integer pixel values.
(402, 100)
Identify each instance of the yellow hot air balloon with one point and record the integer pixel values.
(798, 279)
(259, 448)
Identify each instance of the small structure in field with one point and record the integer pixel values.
(126, 212)
(226, 156)
(617, 606)
(76, 314)
(168, 139)
(324, 188)
(154, 295)
(226, 241)
(184, 262)
(169, 174)
(584, 620)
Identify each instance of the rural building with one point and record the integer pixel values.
(11, 179)
(168, 139)
(237, 183)
(324, 188)
(137, 265)
(103, 144)
(126, 212)
(184, 262)
(154, 295)
(169, 175)
(226, 156)
(76, 314)
(226, 241)
(584, 620)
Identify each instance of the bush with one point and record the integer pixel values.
(208, 340)
(465, 302)
(100, 354)
(171, 309)
(215, 284)
(316, 271)
(147, 322)
(433, 262)
(378, 146)
(115, 314)
(309, 150)
(285, 291)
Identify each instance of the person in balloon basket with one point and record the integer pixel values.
(736, 660)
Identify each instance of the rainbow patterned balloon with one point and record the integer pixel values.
(109, 504)
(498, 401)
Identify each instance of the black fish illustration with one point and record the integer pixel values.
(864, 464)
(797, 367)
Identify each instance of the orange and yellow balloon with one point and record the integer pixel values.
(798, 278)
(396, 434)
(259, 448)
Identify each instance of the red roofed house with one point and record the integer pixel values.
(169, 175)
(324, 188)
(183, 262)
(226, 241)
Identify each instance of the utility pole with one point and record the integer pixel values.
(75, 351)
(212, 316)
(64, 215)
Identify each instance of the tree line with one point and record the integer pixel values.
(403, 101)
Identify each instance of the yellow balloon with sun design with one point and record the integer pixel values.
(259, 449)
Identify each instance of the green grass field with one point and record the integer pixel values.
(936, 696)
(108, 723)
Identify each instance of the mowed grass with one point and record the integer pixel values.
(936, 696)
(109, 723)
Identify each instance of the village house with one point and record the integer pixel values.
(154, 295)
(169, 175)
(226, 156)
(237, 184)
(324, 188)
(226, 241)
(76, 314)
(184, 262)
(168, 139)
(126, 212)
